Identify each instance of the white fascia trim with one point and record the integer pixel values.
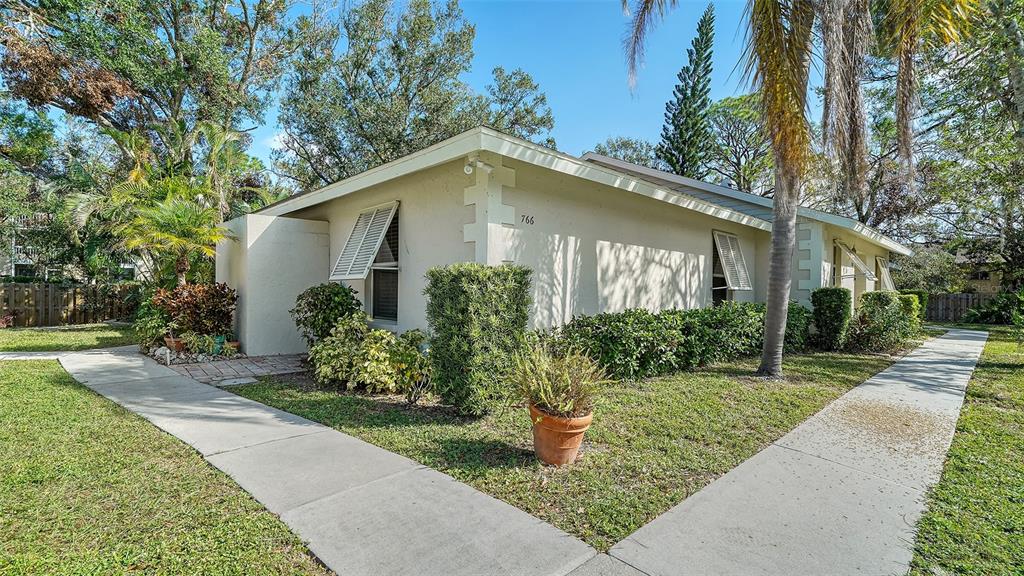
(543, 157)
(486, 139)
(862, 230)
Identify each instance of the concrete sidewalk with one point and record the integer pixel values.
(361, 509)
(57, 355)
(840, 494)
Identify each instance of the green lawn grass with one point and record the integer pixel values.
(88, 488)
(975, 518)
(652, 444)
(65, 338)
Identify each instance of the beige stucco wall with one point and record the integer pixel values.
(595, 248)
(270, 261)
(431, 216)
(592, 248)
(850, 277)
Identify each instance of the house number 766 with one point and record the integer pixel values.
(523, 218)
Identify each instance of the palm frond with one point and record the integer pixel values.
(777, 65)
(644, 15)
(907, 25)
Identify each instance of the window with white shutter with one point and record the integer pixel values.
(364, 242)
(856, 261)
(733, 264)
(883, 272)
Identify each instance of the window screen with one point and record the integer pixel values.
(385, 294)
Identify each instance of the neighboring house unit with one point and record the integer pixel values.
(983, 271)
(599, 234)
(22, 259)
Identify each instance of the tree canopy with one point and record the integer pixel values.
(382, 81)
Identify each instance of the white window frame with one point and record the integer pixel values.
(737, 275)
(858, 264)
(883, 269)
(360, 250)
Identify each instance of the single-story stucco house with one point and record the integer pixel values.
(599, 234)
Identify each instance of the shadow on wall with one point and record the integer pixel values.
(574, 276)
(632, 276)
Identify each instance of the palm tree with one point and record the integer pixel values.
(779, 49)
(177, 228)
(905, 28)
(222, 158)
(779, 43)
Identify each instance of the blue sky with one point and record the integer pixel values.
(573, 49)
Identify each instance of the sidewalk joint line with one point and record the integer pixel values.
(265, 442)
(847, 466)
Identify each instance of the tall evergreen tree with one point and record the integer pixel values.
(686, 138)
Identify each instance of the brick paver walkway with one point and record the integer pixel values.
(214, 372)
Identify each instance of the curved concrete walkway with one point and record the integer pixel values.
(361, 509)
(840, 494)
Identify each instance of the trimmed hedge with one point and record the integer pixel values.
(911, 307)
(637, 343)
(883, 322)
(922, 301)
(477, 315)
(833, 308)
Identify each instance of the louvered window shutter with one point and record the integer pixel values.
(856, 261)
(363, 242)
(883, 269)
(733, 263)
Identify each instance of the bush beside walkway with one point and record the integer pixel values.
(975, 519)
(88, 488)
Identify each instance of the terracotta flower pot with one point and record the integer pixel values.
(176, 344)
(557, 440)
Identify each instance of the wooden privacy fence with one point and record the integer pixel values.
(58, 304)
(952, 307)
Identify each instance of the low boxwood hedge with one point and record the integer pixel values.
(637, 343)
(922, 301)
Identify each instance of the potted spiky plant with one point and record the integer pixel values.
(559, 390)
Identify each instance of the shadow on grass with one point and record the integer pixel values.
(478, 454)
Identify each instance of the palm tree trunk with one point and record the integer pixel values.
(181, 267)
(780, 271)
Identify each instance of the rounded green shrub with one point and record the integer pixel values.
(833, 308)
(882, 323)
(318, 309)
(912, 311)
(637, 343)
(334, 357)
